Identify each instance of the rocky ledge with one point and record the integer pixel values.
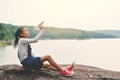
(16, 72)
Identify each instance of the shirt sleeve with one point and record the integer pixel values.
(32, 40)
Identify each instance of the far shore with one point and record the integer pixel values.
(4, 43)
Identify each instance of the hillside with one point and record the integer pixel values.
(111, 32)
(68, 33)
(7, 33)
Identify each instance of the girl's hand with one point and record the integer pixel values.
(41, 25)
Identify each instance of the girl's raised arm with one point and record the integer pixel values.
(35, 39)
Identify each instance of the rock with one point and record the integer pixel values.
(17, 72)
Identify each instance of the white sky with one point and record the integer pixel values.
(82, 14)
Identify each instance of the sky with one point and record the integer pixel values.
(80, 14)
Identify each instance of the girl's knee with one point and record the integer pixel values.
(45, 58)
(48, 56)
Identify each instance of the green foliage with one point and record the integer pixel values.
(7, 33)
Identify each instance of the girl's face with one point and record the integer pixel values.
(25, 33)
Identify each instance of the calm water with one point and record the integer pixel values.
(103, 53)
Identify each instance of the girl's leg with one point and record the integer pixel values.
(49, 66)
(53, 65)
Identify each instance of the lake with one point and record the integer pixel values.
(102, 53)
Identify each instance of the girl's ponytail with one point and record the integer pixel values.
(17, 35)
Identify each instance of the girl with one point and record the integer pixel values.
(26, 58)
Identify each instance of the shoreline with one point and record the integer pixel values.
(5, 43)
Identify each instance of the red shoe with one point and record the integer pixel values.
(65, 72)
(70, 68)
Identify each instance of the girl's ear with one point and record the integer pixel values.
(21, 34)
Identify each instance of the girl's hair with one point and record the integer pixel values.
(17, 35)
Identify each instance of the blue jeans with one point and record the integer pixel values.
(34, 63)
